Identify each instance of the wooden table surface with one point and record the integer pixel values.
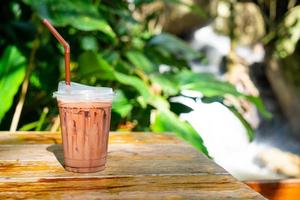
(140, 166)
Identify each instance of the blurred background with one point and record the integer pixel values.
(224, 75)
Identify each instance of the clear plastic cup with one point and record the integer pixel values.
(85, 113)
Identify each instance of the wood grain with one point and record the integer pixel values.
(141, 187)
(126, 159)
(140, 166)
(114, 138)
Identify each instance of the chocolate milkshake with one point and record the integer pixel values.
(85, 120)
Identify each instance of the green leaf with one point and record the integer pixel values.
(142, 102)
(174, 46)
(121, 105)
(12, 72)
(161, 56)
(29, 126)
(111, 56)
(166, 121)
(140, 61)
(86, 23)
(89, 43)
(159, 103)
(92, 64)
(169, 87)
(134, 82)
(259, 105)
(213, 88)
(42, 119)
(82, 15)
(247, 126)
(187, 76)
(209, 86)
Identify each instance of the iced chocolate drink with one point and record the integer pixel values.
(85, 121)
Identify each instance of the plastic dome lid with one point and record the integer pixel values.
(80, 92)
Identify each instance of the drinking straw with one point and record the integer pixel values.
(66, 46)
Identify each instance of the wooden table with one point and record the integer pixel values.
(140, 166)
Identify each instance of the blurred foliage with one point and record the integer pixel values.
(283, 27)
(109, 47)
(288, 33)
(274, 23)
(12, 72)
(282, 24)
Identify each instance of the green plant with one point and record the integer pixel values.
(282, 25)
(109, 47)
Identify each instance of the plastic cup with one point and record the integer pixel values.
(85, 113)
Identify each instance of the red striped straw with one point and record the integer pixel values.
(66, 46)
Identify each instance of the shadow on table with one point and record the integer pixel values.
(57, 150)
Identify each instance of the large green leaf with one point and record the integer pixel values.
(211, 87)
(219, 88)
(82, 15)
(121, 105)
(89, 43)
(168, 43)
(187, 76)
(12, 72)
(259, 105)
(167, 121)
(92, 64)
(168, 86)
(136, 83)
(161, 56)
(159, 103)
(247, 126)
(140, 61)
